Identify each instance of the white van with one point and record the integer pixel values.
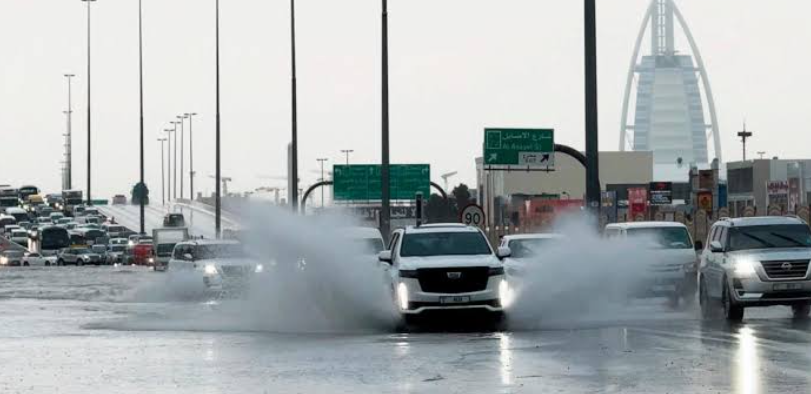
(672, 270)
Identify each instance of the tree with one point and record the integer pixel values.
(140, 192)
(461, 197)
(438, 209)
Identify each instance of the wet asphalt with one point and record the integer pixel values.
(107, 330)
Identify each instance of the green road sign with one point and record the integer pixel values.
(362, 182)
(519, 147)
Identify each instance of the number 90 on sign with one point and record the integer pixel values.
(472, 215)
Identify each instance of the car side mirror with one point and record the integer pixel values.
(384, 256)
(716, 247)
(188, 257)
(503, 252)
(699, 246)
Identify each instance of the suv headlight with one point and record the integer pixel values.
(210, 269)
(505, 293)
(259, 269)
(745, 268)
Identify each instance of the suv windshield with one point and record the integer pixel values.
(767, 237)
(664, 237)
(520, 248)
(444, 244)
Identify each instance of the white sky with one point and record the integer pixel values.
(457, 66)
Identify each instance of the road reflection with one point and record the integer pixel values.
(505, 359)
(747, 372)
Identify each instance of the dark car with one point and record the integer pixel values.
(174, 220)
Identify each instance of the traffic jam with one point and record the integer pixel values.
(436, 269)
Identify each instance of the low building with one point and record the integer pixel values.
(761, 183)
(567, 181)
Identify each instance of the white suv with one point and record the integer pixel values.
(441, 267)
(220, 265)
(756, 262)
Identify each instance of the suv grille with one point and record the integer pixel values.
(453, 280)
(796, 269)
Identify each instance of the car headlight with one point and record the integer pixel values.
(505, 293)
(3, 260)
(402, 296)
(259, 268)
(744, 268)
(152, 260)
(210, 269)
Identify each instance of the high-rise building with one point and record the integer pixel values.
(672, 89)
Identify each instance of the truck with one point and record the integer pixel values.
(70, 199)
(164, 241)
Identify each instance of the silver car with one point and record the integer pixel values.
(751, 262)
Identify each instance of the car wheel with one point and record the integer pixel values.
(25, 264)
(60, 262)
(79, 263)
(732, 311)
(708, 310)
(801, 311)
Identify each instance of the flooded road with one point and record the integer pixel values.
(116, 330)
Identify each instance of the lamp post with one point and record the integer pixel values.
(592, 143)
(89, 199)
(190, 115)
(347, 152)
(182, 147)
(174, 166)
(163, 178)
(294, 112)
(218, 197)
(169, 133)
(141, 86)
(68, 175)
(385, 209)
(322, 161)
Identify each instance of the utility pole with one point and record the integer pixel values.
(294, 111)
(141, 84)
(68, 175)
(163, 179)
(347, 152)
(217, 193)
(169, 133)
(592, 144)
(385, 206)
(174, 166)
(89, 150)
(182, 147)
(744, 135)
(190, 115)
(322, 161)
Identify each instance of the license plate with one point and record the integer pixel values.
(788, 286)
(454, 300)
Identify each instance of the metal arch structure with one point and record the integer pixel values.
(329, 183)
(650, 15)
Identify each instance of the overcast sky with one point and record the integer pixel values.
(457, 66)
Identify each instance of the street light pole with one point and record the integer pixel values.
(141, 84)
(182, 147)
(592, 144)
(169, 133)
(174, 166)
(68, 181)
(190, 115)
(163, 178)
(347, 152)
(294, 112)
(385, 210)
(322, 161)
(89, 199)
(218, 197)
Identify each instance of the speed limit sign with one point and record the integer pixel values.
(472, 215)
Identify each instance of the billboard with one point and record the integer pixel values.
(637, 201)
(661, 193)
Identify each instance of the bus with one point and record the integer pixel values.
(52, 239)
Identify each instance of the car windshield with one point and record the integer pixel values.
(444, 244)
(768, 237)
(521, 248)
(370, 245)
(203, 252)
(663, 237)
